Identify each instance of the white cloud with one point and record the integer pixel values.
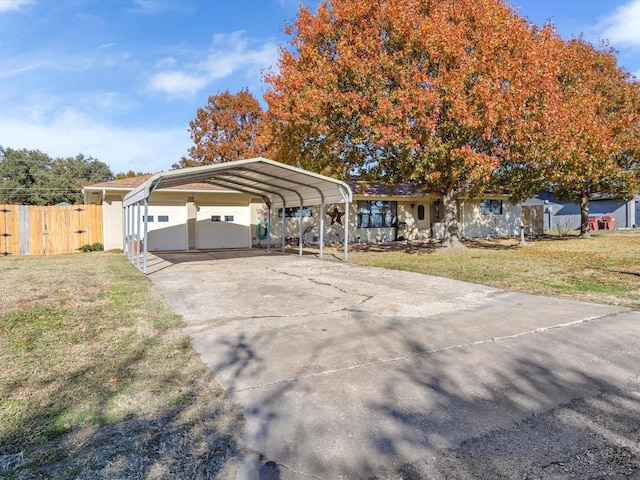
(177, 83)
(123, 149)
(154, 7)
(167, 62)
(7, 5)
(220, 64)
(117, 59)
(622, 27)
(230, 54)
(19, 70)
(106, 103)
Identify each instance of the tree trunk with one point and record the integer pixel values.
(584, 216)
(451, 230)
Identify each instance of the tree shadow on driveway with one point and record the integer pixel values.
(540, 406)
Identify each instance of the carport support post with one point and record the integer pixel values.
(144, 238)
(284, 214)
(133, 234)
(132, 228)
(269, 228)
(130, 233)
(300, 229)
(321, 226)
(346, 231)
(138, 236)
(126, 232)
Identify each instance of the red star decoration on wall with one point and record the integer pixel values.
(336, 216)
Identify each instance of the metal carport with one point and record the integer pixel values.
(277, 184)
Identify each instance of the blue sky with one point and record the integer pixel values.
(121, 79)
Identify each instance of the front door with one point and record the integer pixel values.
(422, 212)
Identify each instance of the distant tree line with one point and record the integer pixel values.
(30, 177)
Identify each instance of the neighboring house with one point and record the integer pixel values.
(566, 215)
(202, 216)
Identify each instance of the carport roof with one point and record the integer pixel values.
(278, 185)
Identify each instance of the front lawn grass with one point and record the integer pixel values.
(602, 269)
(97, 380)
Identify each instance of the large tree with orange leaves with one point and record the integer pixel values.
(433, 92)
(229, 127)
(594, 133)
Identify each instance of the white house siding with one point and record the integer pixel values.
(335, 233)
(476, 225)
(181, 207)
(414, 229)
(292, 225)
(473, 223)
(190, 228)
(167, 228)
(222, 226)
(112, 221)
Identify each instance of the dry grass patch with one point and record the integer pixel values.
(602, 269)
(99, 382)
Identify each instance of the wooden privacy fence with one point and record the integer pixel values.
(32, 230)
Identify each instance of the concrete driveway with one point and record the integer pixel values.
(351, 372)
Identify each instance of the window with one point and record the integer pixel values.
(149, 219)
(293, 212)
(228, 218)
(491, 207)
(436, 211)
(215, 218)
(377, 214)
(163, 218)
(420, 212)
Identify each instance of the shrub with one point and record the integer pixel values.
(96, 247)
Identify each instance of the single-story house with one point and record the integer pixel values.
(200, 216)
(566, 215)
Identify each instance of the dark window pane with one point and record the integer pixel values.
(294, 212)
(377, 213)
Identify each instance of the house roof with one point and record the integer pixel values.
(279, 185)
(131, 183)
(401, 190)
(122, 183)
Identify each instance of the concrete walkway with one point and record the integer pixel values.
(351, 372)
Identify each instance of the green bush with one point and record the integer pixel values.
(96, 247)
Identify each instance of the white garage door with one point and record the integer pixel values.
(223, 227)
(167, 228)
